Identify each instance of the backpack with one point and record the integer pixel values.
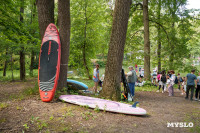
(176, 80)
(180, 79)
(163, 78)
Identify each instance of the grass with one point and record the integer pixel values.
(31, 90)
(146, 88)
(89, 83)
(16, 75)
(27, 92)
(2, 120)
(195, 119)
(3, 106)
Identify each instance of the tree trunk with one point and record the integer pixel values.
(173, 36)
(11, 58)
(22, 64)
(111, 86)
(85, 60)
(33, 12)
(64, 26)
(5, 63)
(85, 43)
(45, 14)
(32, 63)
(22, 54)
(146, 41)
(159, 37)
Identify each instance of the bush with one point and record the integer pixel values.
(148, 83)
(101, 63)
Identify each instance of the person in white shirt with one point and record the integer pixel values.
(171, 84)
(96, 77)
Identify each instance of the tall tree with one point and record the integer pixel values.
(146, 41)
(90, 33)
(45, 14)
(33, 13)
(159, 36)
(173, 34)
(85, 41)
(174, 7)
(5, 63)
(22, 53)
(111, 86)
(64, 26)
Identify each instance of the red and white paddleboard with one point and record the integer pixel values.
(49, 63)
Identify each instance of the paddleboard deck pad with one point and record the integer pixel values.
(49, 63)
(76, 85)
(102, 104)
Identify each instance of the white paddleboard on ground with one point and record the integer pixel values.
(103, 104)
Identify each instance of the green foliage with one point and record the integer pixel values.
(31, 91)
(148, 84)
(40, 124)
(177, 33)
(91, 23)
(87, 115)
(101, 63)
(194, 118)
(26, 126)
(2, 120)
(146, 88)
(15, 34)
(3, 106)
(97, 109)
(89, 28)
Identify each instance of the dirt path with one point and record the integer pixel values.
(32, 115)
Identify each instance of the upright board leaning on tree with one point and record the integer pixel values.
(111, 86)
(49, 63)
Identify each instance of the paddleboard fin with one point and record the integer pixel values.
(135, 104)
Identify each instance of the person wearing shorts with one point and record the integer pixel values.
(96, 78)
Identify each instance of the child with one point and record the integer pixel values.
(101, 82)
(183, 86)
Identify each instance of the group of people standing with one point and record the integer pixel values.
(164, 81)
(131, 79)
(185, 84)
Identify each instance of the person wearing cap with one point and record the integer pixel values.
(131, 79)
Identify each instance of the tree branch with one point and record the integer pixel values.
(135, 34)
(162, 28)
(134, 7)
